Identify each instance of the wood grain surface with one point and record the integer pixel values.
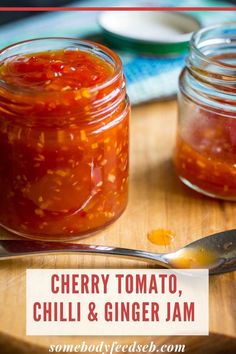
(157, 200)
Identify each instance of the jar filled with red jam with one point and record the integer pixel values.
(64, 133)
(205, 155)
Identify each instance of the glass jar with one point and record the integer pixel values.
(205, 154)
(64, 133)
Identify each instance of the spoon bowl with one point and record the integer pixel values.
(216, 252)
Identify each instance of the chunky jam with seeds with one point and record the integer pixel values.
(205, 154)
(64, 143)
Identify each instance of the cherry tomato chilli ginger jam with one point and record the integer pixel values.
(64, 133)
(205, 155)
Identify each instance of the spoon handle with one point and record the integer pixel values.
(15, 248)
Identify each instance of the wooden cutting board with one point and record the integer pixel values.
(157, 200)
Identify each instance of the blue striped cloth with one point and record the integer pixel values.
(148, 78)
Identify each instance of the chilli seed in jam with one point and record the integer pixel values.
(63, 162)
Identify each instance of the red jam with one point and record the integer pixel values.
(64, 143)
(205, 154)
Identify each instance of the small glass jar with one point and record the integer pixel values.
(205, 154)
(64, 137)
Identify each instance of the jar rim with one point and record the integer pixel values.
(197, 37)
(80, 42)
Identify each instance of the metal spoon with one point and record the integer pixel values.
(216, 252)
